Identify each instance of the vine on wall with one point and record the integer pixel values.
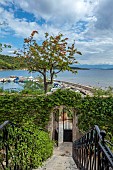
(90, 110)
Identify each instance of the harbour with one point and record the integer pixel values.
(18, 79)
(85, 80)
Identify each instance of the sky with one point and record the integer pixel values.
(88, 22)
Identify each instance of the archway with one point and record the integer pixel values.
(64, 123)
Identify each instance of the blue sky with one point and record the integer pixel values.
(88, 22)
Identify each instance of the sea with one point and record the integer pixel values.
(98, 78)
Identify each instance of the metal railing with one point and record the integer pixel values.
(91, 152)
(11, 142)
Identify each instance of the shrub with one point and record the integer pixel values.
(28, 146)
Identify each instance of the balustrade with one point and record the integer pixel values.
(91, 151)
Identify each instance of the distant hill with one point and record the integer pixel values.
(9, 62)
(99, 66)
(4, 64)
(79, 68)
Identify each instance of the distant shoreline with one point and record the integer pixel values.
(79, 68)
(87, 90)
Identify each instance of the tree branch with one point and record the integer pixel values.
(58, 71)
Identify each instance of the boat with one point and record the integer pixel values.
(16, 80)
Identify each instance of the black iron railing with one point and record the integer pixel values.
(11, 143)
(91, 152)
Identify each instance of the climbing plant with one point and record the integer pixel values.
(90, 110)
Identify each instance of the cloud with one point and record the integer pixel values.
(19, 27)
(96, 52)
(52, 10)
(59, 15)
(104, 15)
(89, 22)
(2, 2)
(100, 33)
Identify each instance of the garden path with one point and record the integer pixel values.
(61, 159)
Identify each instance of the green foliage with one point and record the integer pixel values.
(33, 146)
(1, 90)
(9, 62)
(4, 65)
(100, 92)
(90, 110)
(29, 113)
(31, 87)
(96, 110)
(16, 107)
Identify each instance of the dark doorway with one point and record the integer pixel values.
(67, 135)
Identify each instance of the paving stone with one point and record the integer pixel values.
(61, 159)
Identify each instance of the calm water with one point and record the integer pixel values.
(93, 77)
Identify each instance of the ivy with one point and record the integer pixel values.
(96, 110)
(91, 110)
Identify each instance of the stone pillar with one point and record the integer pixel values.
(75, 131)
(60, 134)
(51, 125)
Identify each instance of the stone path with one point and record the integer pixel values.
(61, 159)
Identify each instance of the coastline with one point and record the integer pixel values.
(85, 79)
(86, 90)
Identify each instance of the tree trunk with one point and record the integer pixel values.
(45, 84)
(51, 78)
(45, 81)
(45, 87)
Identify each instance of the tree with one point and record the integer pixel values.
(51, 57)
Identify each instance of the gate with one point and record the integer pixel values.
(67, 127)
